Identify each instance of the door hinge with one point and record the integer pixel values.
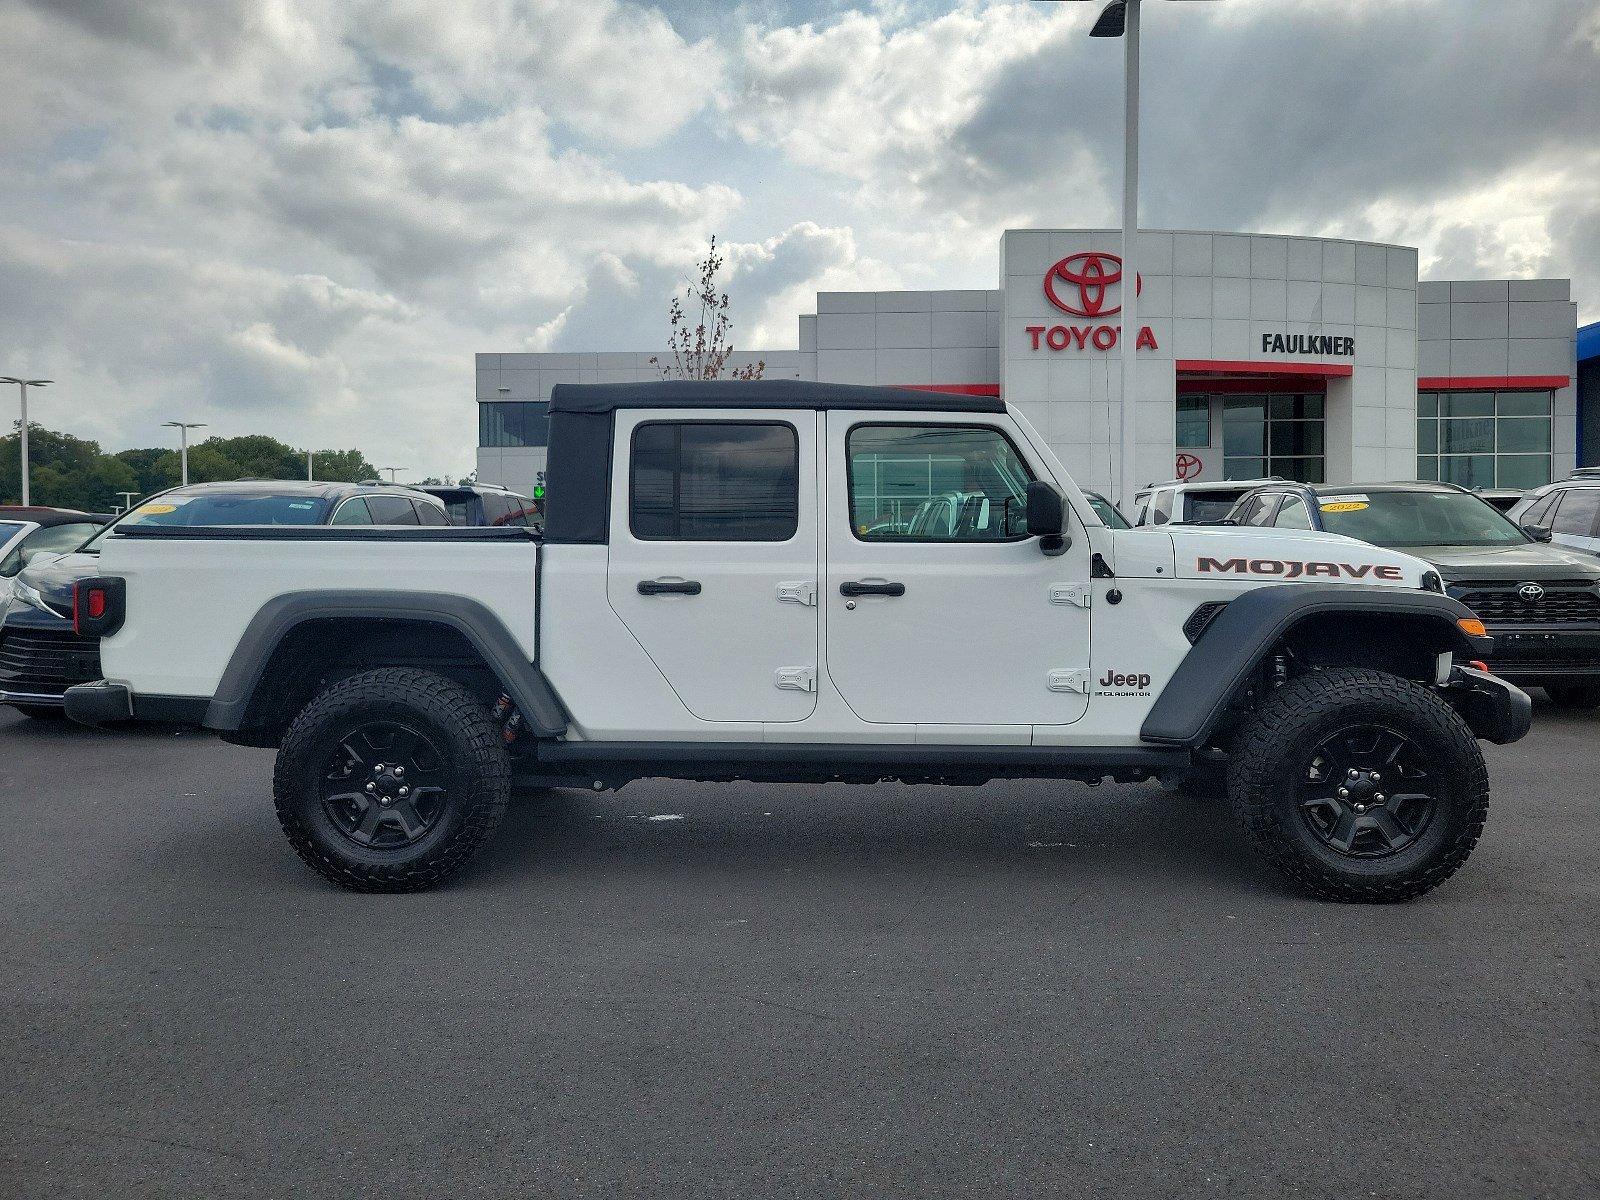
(797, 679)
(1070, 593)
(1069, 679)
(799, 591)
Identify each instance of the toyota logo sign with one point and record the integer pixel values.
(1085, 278)
(1531, 593)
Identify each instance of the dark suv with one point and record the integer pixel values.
(1540, 602)
(487, 504)
(41, 655)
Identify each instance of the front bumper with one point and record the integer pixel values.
(1532, 654)
(99, 703)
(1495, 710)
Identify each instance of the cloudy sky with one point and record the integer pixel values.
(302, 217)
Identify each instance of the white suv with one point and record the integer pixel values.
(1180, 503)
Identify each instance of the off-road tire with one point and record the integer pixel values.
(1274, 753)
(1573, 695)
(469, 743)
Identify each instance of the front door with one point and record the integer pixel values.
(714, 556)
(941, 610)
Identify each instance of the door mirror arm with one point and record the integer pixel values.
(1047, 518)
(1539, 533)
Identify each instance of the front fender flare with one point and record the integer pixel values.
(1195, 700)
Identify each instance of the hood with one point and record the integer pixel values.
(54, 577)
(1536, 560)
(1244, 553)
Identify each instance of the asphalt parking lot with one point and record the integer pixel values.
(1017, 990)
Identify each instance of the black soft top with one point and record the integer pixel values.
(758, 393)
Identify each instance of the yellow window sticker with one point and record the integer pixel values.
(1339, 506)
(156, 510)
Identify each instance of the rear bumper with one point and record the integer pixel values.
(1495, 710)
(99, 703)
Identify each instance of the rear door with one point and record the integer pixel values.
(1576, 520)
(714, 556)
(957, 623)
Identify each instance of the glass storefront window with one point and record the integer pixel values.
(1193, 422)
(1484, 439)
(514, 423)
(1274, 435)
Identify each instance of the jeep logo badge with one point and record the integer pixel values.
(1531, 593)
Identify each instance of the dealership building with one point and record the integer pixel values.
(1311, 358)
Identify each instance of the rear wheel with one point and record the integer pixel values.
(1359, 785)
(1574, 695)
(390, 781)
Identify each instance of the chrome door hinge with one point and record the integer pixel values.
(799, 591)
(1069, 679)
(797, 679)
(1070, 593)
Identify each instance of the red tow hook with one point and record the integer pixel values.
(1477, 664)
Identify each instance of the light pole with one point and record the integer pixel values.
(392, 471)
(127, 499)
(183, 441)
(23, 385)
(1120, 18)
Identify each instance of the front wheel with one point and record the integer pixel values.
(1359, 785)
(391, 780)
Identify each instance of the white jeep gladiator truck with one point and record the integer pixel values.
(727, 588)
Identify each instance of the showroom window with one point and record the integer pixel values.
(1484, 439)
(514, 423)
(1194, 422)
(1273, 435)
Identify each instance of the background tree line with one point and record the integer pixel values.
(72, 472)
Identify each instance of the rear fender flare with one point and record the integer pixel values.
(523, 681)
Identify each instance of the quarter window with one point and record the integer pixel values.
(1576, 516)
(714, 481)
(1294, 514)
(936, 483)
(392, 510)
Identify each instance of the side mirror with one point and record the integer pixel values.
(1539, 533)
(1047, 517)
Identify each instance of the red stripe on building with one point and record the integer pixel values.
(1490, 383)
(955, 389)
(1213, 366)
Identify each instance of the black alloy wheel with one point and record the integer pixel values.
(1366, 793)
(385, 785)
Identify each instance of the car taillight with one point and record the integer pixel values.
(98, 606)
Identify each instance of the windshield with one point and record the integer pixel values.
(8, 529)
(1107, 512)
(1399, 519)
(1208, 506)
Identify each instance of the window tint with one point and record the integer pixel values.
(1575, 516)
(1294, 514)
(499, 509)
(1161, 510)
(1540, 512)
(392, 510)
(1200, 507)
(947, 483)
(429, 514)
(352, 512)
(714, 481)
(1260, 511)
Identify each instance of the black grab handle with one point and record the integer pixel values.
(872, 589)
(662, 587)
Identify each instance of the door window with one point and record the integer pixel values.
(714, 481)
(936, 483)
(1576, 516)
(430, 515)
(1294, 514)
(392, 510)
(1259, 511)
(1161, 510)
(352, 512)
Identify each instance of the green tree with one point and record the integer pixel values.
(260, 456)
(344, 466)
(142, 463)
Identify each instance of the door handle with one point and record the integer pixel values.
(858, 588)
(669, 587)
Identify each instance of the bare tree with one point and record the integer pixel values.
(702, 350)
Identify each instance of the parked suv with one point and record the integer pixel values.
(486, 504)
(1540, 602)
(1568, 510)
(1180, 503)
(40, 653)
(25, 532)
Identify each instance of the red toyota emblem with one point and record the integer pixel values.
(1188, 466)
(1092, 273)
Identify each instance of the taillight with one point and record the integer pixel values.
(98, 606)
